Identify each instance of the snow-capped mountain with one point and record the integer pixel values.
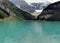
(23, 5)
(31, 6)
(39, 6)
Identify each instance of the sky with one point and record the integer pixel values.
(38, 1)
(35, 1)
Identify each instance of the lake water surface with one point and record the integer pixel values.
(29, 32)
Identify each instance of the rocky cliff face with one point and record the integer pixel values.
(23, 5)
(5, 7)
(20, 13)
(51, 12)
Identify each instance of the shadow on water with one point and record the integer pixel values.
(29, 32)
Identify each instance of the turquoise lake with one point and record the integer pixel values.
(30, 32)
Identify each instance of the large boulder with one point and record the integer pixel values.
(51, 12)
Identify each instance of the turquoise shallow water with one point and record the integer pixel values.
(29, 32)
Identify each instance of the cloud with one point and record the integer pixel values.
(38, 1)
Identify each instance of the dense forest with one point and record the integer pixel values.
(51, 12)
(9, 7)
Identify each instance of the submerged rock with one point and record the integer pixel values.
(51, 12)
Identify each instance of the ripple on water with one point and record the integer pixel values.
(29, 32)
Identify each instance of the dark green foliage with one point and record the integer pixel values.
(52, 10)
(20, 13)
(3, 13)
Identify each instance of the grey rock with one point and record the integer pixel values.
(51, 12)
